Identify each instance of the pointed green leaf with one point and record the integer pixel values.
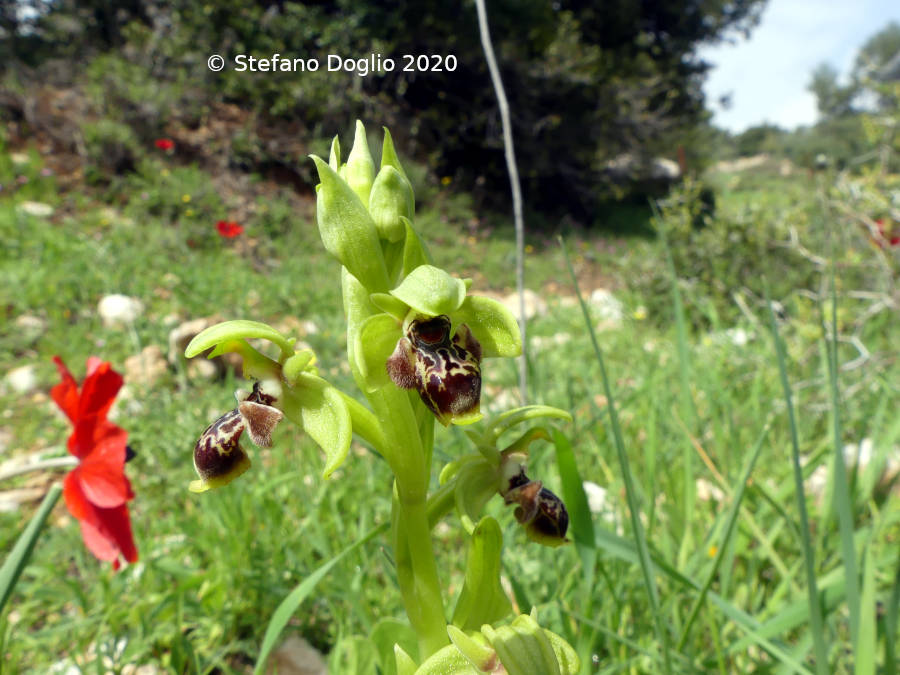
(388, 634)
(475, 648)
(414, 251)
(334, 157)
(347, 230)
(492, 324)
(404, 662)
(374, 343)
(239, 329)
(320, 409)
(431, 291)
(482, 599)
(21, 552)
(478, 481)
(389, 155)
(360, 165)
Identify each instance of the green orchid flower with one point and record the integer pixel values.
(431, 336)
(287, 387)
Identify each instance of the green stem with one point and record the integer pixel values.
(416, 565)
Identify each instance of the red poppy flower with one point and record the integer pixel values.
(97, 490)
(890, 235)
(164, 144)
(229, 230)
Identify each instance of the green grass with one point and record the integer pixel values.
(663, 575)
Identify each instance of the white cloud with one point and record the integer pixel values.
(767, 75)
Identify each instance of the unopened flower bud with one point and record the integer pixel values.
(390, 200)
(445, 371)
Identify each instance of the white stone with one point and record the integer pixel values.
(22, 380)
(38, 209)
(707, 491)
(295, 656)
(540, 342)
(119, 309)
(28, 323)
(596, 496)
(147, 367)
(535, 305)
(180, 336)
(19, 158)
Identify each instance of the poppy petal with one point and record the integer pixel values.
(102, 474)
(76, 502)
(99, 390)
(106, 532)
(65, 394)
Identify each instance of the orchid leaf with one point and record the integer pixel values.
(492, 324)
(431, 291)
(414, 251)
(389, 155)
(482, 599)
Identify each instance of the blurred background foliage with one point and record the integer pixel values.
(588, 83)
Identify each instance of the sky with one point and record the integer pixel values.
(767, 75)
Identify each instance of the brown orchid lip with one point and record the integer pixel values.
(445, 370)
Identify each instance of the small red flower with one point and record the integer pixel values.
(228, 229)
(891, 235)
(97, 490)
(165, 144)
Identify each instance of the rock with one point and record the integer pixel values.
(38, 209)
(181, 335)
(147, 367)
(295, 656)
(540, 343)
(22, 380)
(534, 304)
(19, 158)
(30, 325)
(596, 496)
(707, 491)
(607, 308)
(202, 368)
(119, 309)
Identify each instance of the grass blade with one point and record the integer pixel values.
(815, 610)
(726, 536)
(630, 491)
(843, 503)
(21, 553)
(289, 605)
(688, 409)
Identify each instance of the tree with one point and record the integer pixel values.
(832, 99)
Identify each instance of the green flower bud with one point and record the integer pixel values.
(360, 166)
(445, 371)
(348, 231)
(391, 200)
